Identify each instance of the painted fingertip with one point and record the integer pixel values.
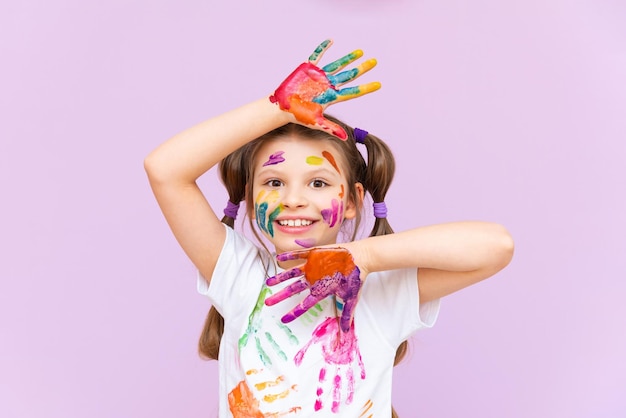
(287, 318)
(357, 53)
(340, 133)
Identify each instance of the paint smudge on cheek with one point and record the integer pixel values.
(334, 213)
(275, 158)
(342, 192)
(306, 243)
(265, 220)
(331, 160)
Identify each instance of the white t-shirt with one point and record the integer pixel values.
(307, 368)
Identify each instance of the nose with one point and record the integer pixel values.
(293, 197)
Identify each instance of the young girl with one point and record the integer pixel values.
(314, 328)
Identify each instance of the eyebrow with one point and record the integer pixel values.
(268, 171)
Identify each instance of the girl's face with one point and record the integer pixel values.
(300, 192)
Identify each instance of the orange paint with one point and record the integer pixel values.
(341, 193)
(272, 398)
(331, 160)
(331, 260)
(365, 409)
(242, 402)
(305, 112)
(265, 385)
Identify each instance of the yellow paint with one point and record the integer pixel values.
(313, 160)
(265, 385)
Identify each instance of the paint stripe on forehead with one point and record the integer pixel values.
(314, 160)
(275, 158)
(331, 160)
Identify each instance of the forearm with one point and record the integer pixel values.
(453, 247)
(189, 154)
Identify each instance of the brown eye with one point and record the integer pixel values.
(274, 183)
(317, 183)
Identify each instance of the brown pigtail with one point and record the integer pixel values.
(233, 173)
(381, 167)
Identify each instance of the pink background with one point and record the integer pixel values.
(511, 111)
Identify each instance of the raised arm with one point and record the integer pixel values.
(174, 167)
(449, 257)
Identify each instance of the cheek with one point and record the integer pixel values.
(333, 215)
(267, 207)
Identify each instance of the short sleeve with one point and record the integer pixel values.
(238, 270)
(392, 298)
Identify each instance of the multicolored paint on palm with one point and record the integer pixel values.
(264, 220)
(243, 404)
(275, 158)
(339, 349)
(327, 272)
(255, 324)
(308, 90)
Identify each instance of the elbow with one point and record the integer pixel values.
(154, 169)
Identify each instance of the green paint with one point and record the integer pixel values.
(276, 347)
(320, 49)
(292, 338)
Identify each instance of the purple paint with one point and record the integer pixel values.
(275, 158)
(306, 243)
(330, 216)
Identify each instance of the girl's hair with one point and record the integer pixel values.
(237, 173)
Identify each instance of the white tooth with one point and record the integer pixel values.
(291, 223)
(298, 222)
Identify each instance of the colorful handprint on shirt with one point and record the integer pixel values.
(266, 341)
(327, 272)
(243, 404)
(308, 90)
(341, 350)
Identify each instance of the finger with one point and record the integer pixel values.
(349, 75)
(337, 65)
(332, 128)
(347, 315)
(287, 292)
(319, 51)
(308, 302)
(285, 275)
(354, 92)
(293, 255)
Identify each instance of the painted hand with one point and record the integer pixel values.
(266, 335)
(340, 351)
(327, 272)
(308, 90)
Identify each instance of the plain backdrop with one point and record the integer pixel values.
(509, 111)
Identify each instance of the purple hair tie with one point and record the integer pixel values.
(359, 135)
(231, 209)
(380, 210)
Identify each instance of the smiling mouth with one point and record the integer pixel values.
(295, 222)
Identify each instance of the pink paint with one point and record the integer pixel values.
(275, 158)
(330, 216)
(305, 243)
(338, 348)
